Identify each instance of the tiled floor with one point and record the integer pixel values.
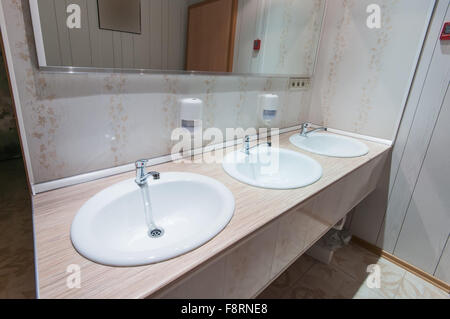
(16, 233)
(345, 278)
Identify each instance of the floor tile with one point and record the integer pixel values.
(365, 292)
(288, 278)
(413, 287)
(391, 278)
(353, 260)
(295, 271)
(320, 282)
(360, 290)
(346, 278)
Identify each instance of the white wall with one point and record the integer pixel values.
(289, 30)
(415, 223)
(291, 36)
(161, 45)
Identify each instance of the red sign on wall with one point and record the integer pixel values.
(257, 45)
(445, 35)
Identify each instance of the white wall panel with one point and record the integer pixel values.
(416, 223)
(50, 37)
(161, 43)
(414, 153)
(443, 268)
(426, 227)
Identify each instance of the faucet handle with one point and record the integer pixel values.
(141, 163)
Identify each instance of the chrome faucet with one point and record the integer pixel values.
(246, 149)
(304, 129)
(141, 176)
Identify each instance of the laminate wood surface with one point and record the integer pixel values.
(255, 208)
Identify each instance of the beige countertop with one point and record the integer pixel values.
(255, 207)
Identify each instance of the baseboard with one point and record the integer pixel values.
(401, 263)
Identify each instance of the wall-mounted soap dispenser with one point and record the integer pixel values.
(268, 106)
(268, 110)
(191, 112)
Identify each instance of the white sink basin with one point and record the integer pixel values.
(330, 145)
(272, 168)
(111, 227)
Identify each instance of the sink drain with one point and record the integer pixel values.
(156, 233)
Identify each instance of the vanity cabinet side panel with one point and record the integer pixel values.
(237, 273)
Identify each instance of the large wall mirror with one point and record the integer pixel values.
(256, 37)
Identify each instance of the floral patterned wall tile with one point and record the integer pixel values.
(363, 74)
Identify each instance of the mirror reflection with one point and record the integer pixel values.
(259, 37)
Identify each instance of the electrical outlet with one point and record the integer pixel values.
(299, 84)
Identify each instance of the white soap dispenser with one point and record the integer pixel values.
(269, 104)
(191, 112)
